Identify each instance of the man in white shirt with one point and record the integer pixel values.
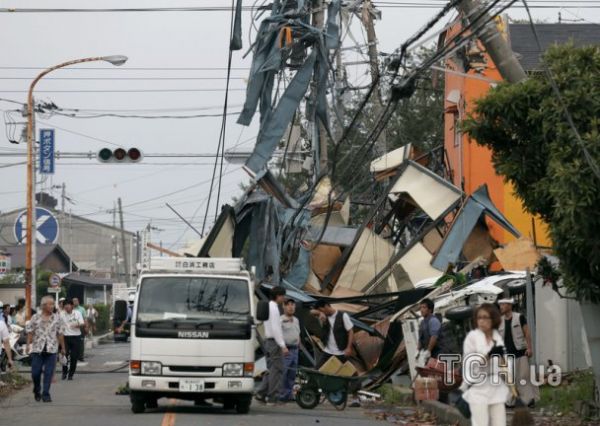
(73, 323)
(275, 349)
(4, 335)
(337, 335)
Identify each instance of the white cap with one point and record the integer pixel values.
(510, 301)
(132, 297)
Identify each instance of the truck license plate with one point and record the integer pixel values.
(191, 386)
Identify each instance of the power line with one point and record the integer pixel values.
(126, 68)
(114, 115)
(125, 78)
(81, 134)
(125, 90)
(221, 145)
(544, 4)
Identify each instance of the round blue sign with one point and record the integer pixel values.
(47, 227)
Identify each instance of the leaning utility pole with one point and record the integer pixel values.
(318, 21)
(494, 42)
(368, 22)
(123, 248)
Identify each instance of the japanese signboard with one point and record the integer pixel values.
(4, 264)
(47, 151)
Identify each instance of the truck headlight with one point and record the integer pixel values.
(233, 369)
(151, 368)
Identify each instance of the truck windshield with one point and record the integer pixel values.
(192, 298)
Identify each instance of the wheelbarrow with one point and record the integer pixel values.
(314, 385)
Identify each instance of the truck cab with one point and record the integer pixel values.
(193, 333)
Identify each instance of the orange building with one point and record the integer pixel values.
(469, 74)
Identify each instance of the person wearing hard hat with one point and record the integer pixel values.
(517, 339)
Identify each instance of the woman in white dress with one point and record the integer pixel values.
(486, 392)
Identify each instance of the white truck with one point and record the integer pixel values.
(193, 333)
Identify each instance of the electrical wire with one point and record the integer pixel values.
(191, 90)
(148, 117)
(221, 144)
(552, 80)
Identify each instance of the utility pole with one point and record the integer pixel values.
(495, 44)
(320, 137)
(123, 248)
(367, 19)
(62, 197)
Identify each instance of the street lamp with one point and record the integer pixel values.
(116, 60)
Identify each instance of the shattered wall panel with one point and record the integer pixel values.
(430, 192)
(370, 255)
(479, 243)
(391, 160)
(417, 264)
(323, 257)
(432, 241)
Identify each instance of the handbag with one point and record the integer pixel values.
(463, 406)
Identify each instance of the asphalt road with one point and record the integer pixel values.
(90, 400)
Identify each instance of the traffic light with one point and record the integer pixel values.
(119, 155)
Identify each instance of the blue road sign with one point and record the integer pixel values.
(47, 227)
(47, 151)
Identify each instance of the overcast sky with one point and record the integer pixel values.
(150, 40)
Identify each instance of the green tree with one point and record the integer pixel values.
(536, 150)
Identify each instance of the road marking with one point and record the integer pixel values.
(108, 363)
(169, 418)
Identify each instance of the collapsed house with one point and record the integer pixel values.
(418, 231)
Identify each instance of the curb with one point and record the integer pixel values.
(445, 413)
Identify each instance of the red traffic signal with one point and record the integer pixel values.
(119, 155)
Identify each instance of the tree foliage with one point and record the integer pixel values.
(536, 150)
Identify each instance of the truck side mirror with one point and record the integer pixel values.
(262, 310)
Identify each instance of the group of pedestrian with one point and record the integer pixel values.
(50, 332)
(282, 344)
(282, 339)
(497, 332)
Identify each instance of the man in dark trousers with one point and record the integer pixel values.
(430, 333)
(337, 335)
(73, 323)
(275, 351)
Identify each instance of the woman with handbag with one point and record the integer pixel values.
(483, 351)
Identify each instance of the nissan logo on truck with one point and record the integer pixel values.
(193, 334)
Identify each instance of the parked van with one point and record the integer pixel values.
(193, 333)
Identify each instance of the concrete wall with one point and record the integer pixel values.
(11, 295)
(88, 243)
(560, 332)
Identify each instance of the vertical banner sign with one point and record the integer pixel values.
(47, 151)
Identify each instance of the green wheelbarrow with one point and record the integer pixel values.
(314, 385)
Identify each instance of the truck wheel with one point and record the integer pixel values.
(307, 398)
(516, 287)
(242, 406)
(138, 403)
(138, 407)
(229, 404)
